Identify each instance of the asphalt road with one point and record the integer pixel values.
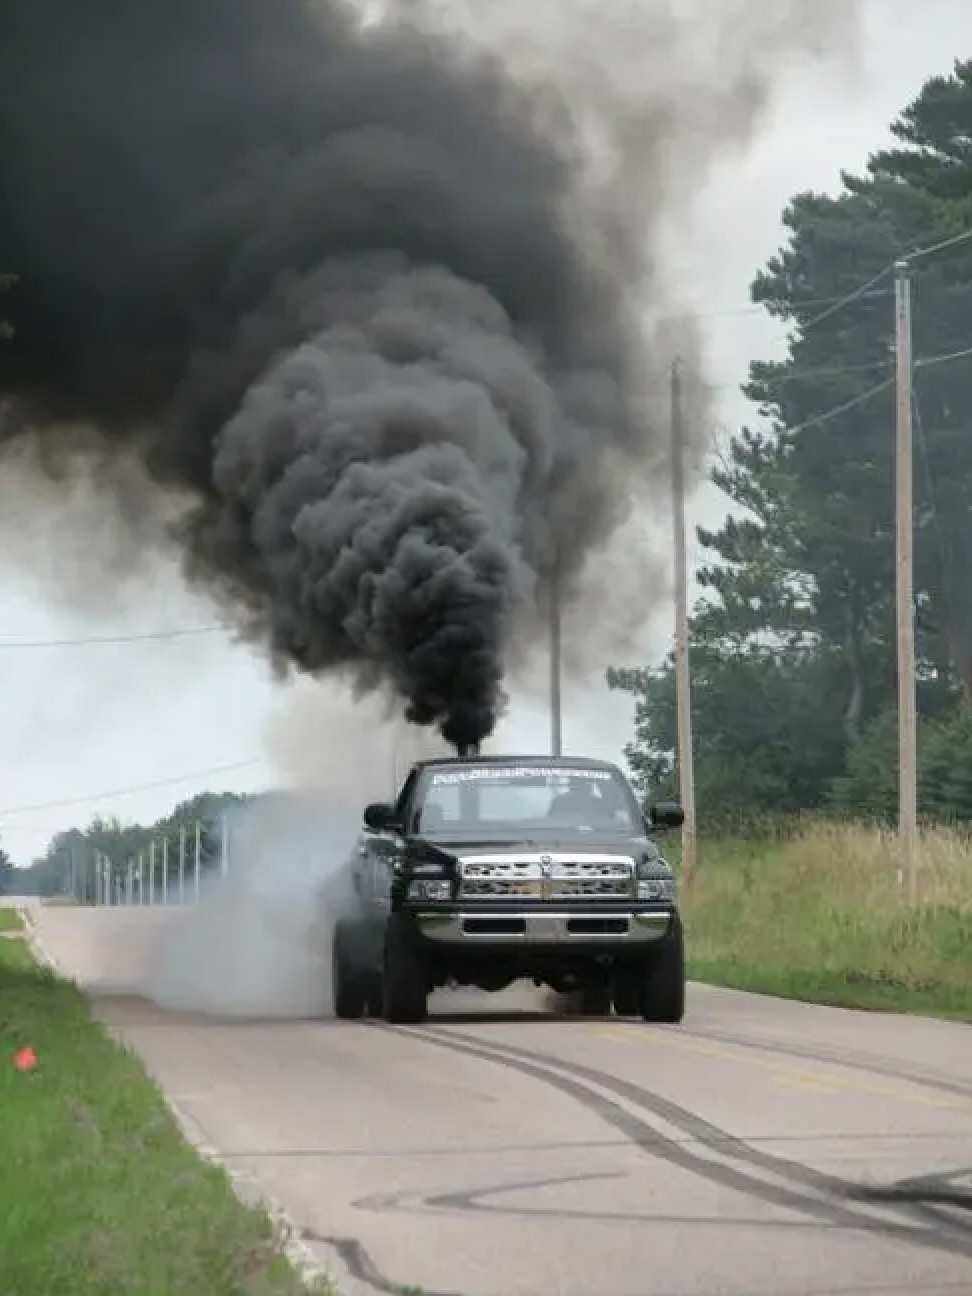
(762, 1147)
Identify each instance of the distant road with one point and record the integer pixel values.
(762, 1149)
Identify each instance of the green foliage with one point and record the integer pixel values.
(869, 786)
(793, 649)
(765, 744)
(8, 874)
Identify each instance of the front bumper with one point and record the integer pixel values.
(551, 926)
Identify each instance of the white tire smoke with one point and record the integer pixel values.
(258, 944)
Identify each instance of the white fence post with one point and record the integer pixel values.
(182, 863)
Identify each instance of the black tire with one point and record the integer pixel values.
(626, 991)
(663, 988)
(348, 985)
(373, 1001)
(595, 999)
(405, 982)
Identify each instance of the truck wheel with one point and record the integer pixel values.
(373, 1004)
(595, 999)
(405, 986)
(347, 982)
(626, 992)
(663, 987)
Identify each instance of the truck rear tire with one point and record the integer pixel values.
(663, 984)
(405, 982)
(373, 999)
(347, 980)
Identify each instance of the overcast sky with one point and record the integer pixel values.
(130, 728)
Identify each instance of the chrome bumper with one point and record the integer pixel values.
(570, 927)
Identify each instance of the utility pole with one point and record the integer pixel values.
(556, 709)
(905, 580)
(683, 674)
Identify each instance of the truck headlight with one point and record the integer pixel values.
(654, 880)
(656, 888)
(435, 890)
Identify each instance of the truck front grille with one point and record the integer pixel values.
(546, 877)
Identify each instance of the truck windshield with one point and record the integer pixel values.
(519, 796)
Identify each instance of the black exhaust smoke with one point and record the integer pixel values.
(320, 277)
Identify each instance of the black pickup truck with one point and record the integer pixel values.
(494, 869)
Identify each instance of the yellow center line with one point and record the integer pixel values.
(815, 1078)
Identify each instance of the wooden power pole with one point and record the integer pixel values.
(683, 674)
(904, 580)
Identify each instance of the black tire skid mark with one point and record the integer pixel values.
(926, 1203)
(363, 1269)
(574, 1079)
(871, 1063)
(921, 1204)
(407, 1202)
(473, 1201)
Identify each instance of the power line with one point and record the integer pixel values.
(83, 641)
(866, 290)
(938, 247)
(835, 411)
(760, 308)
(130, 790)
(856, 294)
(943, 359)
(843, 408)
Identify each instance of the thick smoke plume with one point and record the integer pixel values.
(258, 943)
(361, 297)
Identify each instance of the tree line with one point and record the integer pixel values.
(793, 640)
(67, 867)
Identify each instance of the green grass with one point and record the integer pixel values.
(10, 920)
(822, 915)
(99, 1193)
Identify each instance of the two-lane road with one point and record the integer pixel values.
(762, 1148)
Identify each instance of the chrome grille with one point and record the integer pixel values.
(543, 876)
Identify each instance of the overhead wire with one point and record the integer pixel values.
(144, 637)
(129, 790)
(826, 416)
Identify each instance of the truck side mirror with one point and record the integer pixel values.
(666, 814)
(380, 817)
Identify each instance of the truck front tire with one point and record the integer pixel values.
(595, 999)
(626, 991)
(405, 983)
(663, 982)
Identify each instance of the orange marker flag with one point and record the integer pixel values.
(25, 1059)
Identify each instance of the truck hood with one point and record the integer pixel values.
(593, 842)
